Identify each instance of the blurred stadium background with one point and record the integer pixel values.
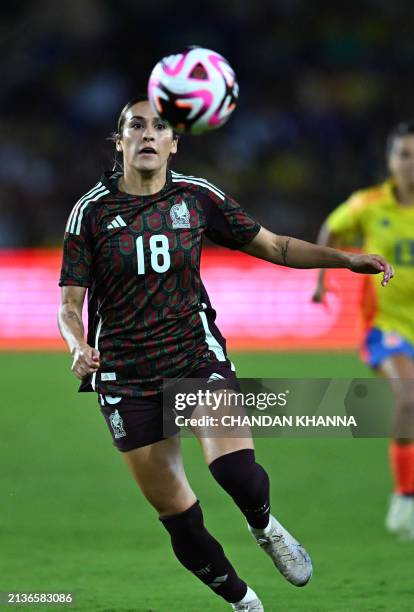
(321, 85)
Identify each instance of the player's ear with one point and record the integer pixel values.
(118, 143)
(390, 164)
(174, 144)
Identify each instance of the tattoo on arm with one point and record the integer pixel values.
(284, 251)
(72, 316)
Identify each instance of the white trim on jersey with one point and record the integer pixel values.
(75, 217)
(74, 210)
(98, 196)
(181, 178)
(197, 178)
(98, 331)
(211, 341)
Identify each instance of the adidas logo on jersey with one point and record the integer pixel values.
(117, 222)
(215, 376)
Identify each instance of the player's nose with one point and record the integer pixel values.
(148, 134)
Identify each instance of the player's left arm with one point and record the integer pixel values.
(294, 253)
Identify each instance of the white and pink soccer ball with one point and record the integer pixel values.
(195, 91)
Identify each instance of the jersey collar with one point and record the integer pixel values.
(110, 179)
(389, 191)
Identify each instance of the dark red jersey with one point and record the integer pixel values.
(149, 314)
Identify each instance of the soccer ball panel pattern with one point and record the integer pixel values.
(195, 91)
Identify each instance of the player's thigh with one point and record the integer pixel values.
(399, 371)
(216, 447)
(159, 472)
(227, 435)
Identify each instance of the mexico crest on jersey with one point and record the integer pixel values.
(180, 215)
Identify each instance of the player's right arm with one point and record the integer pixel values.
(85, 358)
(75, 278)
(343, 221)
(326, 237)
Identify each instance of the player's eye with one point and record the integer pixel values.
(136, 125)
(160, 125)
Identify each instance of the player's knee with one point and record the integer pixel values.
(406, 406)
(171, 506)
(168, 501)
(238, 473)
(190, 518)
(405, 412)
(190, 539)
(184, 528)
(404, 421)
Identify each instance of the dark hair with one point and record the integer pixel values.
(121, 119)
(405, 128)
(142, 97)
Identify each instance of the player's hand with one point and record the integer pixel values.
(371, 264)
(86, 360)
(318, 296)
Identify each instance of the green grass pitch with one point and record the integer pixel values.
(71, 517)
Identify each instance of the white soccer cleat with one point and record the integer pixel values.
(400, 517)
(290, 558)
(253, 606)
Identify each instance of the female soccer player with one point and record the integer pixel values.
(383, 217)
(134, 240)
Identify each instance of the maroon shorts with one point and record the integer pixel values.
(138, 422)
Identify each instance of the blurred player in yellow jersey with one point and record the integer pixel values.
(383, 217)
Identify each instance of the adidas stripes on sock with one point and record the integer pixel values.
(202, 555)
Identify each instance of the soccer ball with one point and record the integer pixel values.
(195, 91)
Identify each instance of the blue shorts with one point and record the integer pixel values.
(378, 345)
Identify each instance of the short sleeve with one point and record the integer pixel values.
(227, 223)
(346, 219)
(77, 254)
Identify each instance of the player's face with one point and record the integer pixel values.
(147, 141)
(401, 159)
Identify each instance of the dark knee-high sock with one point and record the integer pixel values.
(247, 483)
(200, 553)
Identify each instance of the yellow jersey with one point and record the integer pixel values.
(386, 228)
